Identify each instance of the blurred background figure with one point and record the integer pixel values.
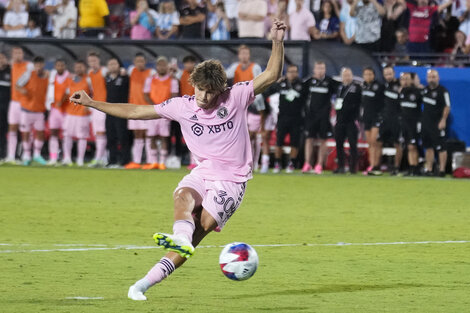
(251, 17)
(5, 90)
(94, 16)
(143, 21)
(168, 20)
(65, 20)
(219, 23)
(15, 20)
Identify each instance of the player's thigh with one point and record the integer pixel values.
(281, 133)
(295, 134)
(374, 133)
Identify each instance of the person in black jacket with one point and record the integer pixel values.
(118, 136)
(347, 105)
(372, 105)
(410, 104)
(436, 101)
(5, 85)
(291, 104)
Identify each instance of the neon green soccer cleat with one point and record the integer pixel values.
(175, 243)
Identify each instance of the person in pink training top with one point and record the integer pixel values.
(214, 125)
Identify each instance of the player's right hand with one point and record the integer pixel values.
(81, 97)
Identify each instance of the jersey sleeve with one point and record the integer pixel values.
(446, 98)
(243, 93)
(256, 70)
(170, 109)
(24, 79)
(231, 71)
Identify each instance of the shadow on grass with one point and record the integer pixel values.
(333, 289)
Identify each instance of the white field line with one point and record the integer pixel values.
(101, 247)
(84, 298)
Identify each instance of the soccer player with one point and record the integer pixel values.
(436, 109)
(77, 118)
(18, 67)
(320, 89)
(347, 106)
(291, 104)
(97, 75)
(410, 104)
(58, 99)
(117, 91)
(245, 70)
(5, 94)
(372, 105)
(189, 62)
(389, 131)
(219, 138)
(33, 88)
(138, 74)
(159, 88)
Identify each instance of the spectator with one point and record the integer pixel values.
(369, 21)
(93, 17)
(251, 16)
(65, 21)
(301, 22)
(420, 24)
(458, 51)
(281, 14)
(117, 17)
(5, 92)
(272, 12)
(219, 23)
(15, 20)
(347, 25)
(231, 8)
(32, 31)
(401, 42)
(168, 20)
(328, 27)
(390, 23)
(50, 9)
(464, 20)
(143, 21)
(192, 20)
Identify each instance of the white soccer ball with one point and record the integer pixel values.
(238, 261)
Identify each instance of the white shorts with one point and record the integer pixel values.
(29, 120)
(137, 124)
(98, 121)
(219, 198)
(158, 127)
(56, 119)
(76, 126)
(14, 113)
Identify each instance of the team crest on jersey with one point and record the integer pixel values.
(324, 84)
(298, 87)
(434, 94)
(375, 87)
(412, 97)
(197, 129)
(222, 112)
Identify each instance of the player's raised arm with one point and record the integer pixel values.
(122, 110)
(274, 69)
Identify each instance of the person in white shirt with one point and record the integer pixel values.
(15, 20)
(65, 20)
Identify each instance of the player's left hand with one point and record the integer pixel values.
(81, 97)
(278, 30)
(442, 125)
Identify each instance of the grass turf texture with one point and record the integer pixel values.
(42, 208)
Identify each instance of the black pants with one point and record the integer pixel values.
(175, 130)
(118, 140)
(3, 129)
(342, 131)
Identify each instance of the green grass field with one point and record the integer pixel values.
(48, 214)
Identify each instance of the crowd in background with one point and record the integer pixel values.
(300, 113)
(395, 26)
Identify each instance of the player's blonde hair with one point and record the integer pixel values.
(209, 75)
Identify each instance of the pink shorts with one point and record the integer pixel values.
(30, 120)
(77, 126)
(254, 122)
(137, 124)
(98, 121)
(56, 119)
(14, 113)
(158, 127)
(219, 198)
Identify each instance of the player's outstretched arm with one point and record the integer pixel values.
(122, 110)
(274, 69)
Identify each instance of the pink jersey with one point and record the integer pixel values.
(218, 138)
